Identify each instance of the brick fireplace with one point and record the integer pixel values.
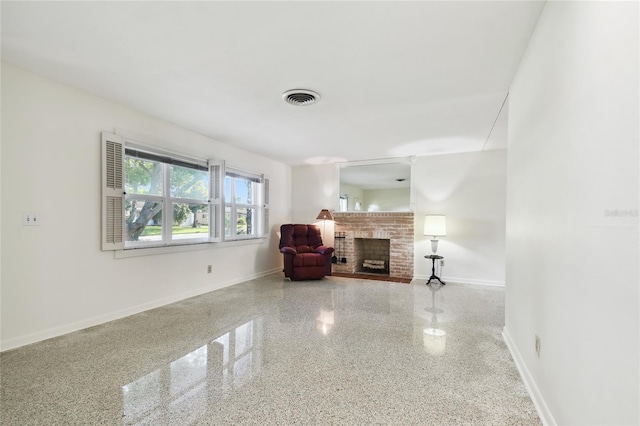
(397, 228)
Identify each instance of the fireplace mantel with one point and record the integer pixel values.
(397, 227)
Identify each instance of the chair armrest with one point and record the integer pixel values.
(288, 250)
(324, 250)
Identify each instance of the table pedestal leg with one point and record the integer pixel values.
(433, 273)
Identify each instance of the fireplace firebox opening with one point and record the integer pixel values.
(372, 255)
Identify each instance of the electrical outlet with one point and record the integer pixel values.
(441, 262)
(537, 346)
(209, 269)
(31, 219)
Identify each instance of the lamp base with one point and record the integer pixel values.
(434, 246)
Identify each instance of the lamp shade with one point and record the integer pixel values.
(435, 225)
(324, 215)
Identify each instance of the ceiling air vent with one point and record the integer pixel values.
(300, 97)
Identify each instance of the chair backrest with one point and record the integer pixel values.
(304, 238)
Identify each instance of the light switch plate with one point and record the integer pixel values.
(31, 219)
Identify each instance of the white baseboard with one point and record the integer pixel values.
(538, 401)
(459, 280)
(49, 333)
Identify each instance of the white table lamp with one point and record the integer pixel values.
(435, 225)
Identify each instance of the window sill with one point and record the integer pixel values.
(149, 251)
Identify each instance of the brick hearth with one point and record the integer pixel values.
(397, 227)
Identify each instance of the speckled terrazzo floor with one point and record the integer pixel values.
(337, 351)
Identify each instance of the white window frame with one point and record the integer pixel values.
(260, 205)
(166, 198)
(114, 202)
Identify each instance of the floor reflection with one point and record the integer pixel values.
(325, 321)
(434, 338)
(188, 386)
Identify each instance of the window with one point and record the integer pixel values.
(244, 214)
(153, 199)
(164, 201)
(344, 203)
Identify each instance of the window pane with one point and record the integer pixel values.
(190, 221)
(243, 191)
(251, 221)
(241, 223)
(344, 203)
(143, 176)
(244, 223)
(143, 220)
(189, 183)
(227, 221)
(227, 188)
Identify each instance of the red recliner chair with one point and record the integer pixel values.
(305, 258)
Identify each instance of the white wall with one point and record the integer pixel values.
(354, 194)
(55, 279)
(572, 269)
(0, 216)
(313, 188)
(387, 200)
(470, 190)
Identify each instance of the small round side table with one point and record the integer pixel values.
(433, 276)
